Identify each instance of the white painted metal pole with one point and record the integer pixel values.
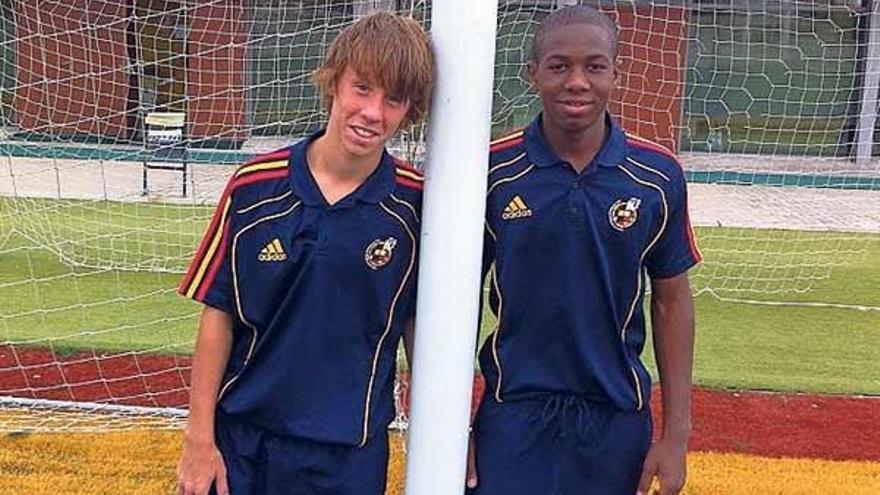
(463, 35)
(868, 116)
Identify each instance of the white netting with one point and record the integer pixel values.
(762, 100)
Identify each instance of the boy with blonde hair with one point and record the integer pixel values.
(308, 272)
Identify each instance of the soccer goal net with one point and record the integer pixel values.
(121, 120)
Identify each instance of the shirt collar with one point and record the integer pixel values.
(541, 154)
(373, 190)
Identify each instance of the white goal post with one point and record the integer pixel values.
(463, 35)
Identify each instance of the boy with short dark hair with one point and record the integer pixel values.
(579, 216)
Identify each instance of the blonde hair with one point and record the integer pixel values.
(387, 49)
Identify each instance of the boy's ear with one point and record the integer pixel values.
(531, 70)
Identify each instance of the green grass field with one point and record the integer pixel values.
(132, 306)
(72, 279)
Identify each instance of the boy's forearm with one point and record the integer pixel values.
(211, 355)
(672, 315)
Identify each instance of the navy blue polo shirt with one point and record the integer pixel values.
(319, 294)
(571, 252)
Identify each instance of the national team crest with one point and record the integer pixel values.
(378, 253)
(623, 214)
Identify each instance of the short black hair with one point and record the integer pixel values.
(567, 16)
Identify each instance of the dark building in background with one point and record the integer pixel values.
(77, 73)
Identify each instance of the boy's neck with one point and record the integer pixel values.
(578, 148)
(337, 172)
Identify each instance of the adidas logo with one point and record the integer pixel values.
(516, 209)
(272, 252)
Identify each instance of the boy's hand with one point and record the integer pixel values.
(200, 464)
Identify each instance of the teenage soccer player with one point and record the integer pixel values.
(308, 273)
(580, 218)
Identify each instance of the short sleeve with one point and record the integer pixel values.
(676, 251)
(208, 278)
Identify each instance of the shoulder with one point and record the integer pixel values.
(407, 195)
(407, 177)
(654, 159)
(507, 146)
(507, 155)
(264, 167)
(260, 176)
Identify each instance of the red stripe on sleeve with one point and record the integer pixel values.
(692, 241)
(260, 176)
(209, 234)
(648, 145)
(406, 166)
(208, 280)
(503, 145)
(269, 157)
(403, 181)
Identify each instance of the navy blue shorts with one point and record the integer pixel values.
(559, 445)
(261, 462)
